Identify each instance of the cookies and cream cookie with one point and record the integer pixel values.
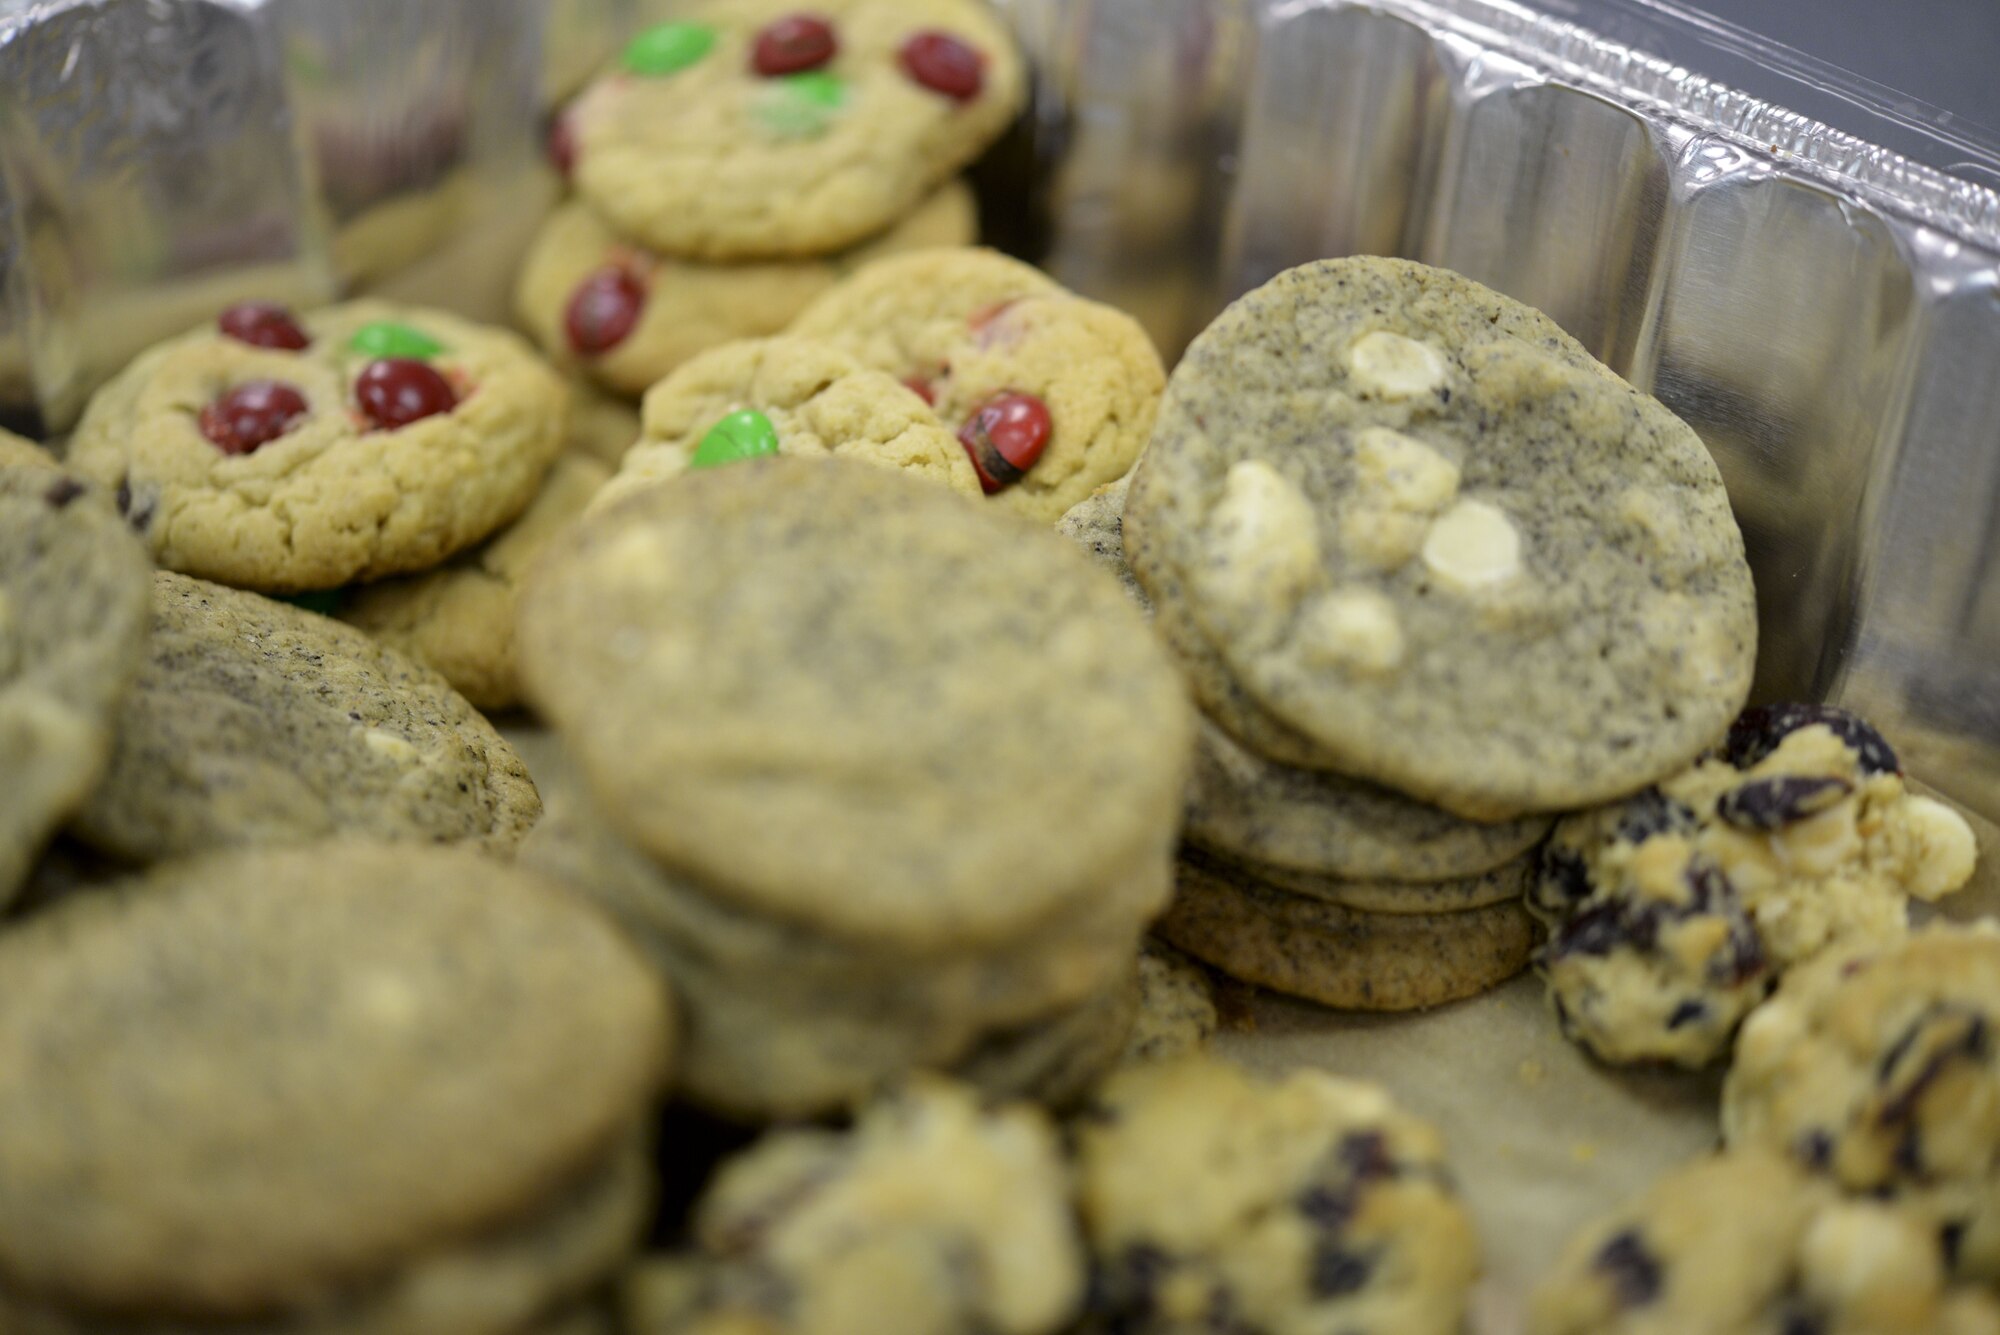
(952, 654)
(784, 1019)
(785, 396)
(73, 597)
(349, 1087)
(1673, 913)
(930, 1214)
(1353, 958)
(1052, 396)
(1212, 1199)
(1425, 531)
(253, 722)
(625, 316)
(1177, 1014)
(287, 453)
(1746, 1244)
(749, 129)
(1877, 1069)
(459, 618)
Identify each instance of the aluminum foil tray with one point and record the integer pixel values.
(1820, 308)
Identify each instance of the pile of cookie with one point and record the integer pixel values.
(733, 164)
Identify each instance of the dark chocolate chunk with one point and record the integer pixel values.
(1633, 1271)
(65, 490)
(1757, 733)
(1337, 1271)
(1651, 813)
(1688, 1012)
(1774, 803)
(1560, 877)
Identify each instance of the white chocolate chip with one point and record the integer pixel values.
(1473, 546)
(389, 744)
(1384, 539)
(1394, 367)
(1263, 540)
(1944, 849)
(1355, 629)
(1866, 1260)
(1400, 472)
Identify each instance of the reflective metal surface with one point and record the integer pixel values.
(1825, 312)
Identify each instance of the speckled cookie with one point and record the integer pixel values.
(1177, 1014)
(1422, 527)
(792, 397)
(73, 591)
(1279, 816)
(253, 722)
(1052, 396)
(1503, 884)
(342, 1088)
(350, 443)
(624, 316)
(1340, 956)
(781, 1020)
(1745, 1244)
(1215, 1201)
(1056, 1060)
(930, 1216)
(1879, 1069)
(957, 655)
(751, 130)
(459, 618)
(1672, 914)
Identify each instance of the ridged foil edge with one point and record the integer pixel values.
(1594, 62)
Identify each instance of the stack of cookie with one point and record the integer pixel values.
(734, 163)
(881, 777)
(1433, 573)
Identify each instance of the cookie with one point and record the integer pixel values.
(1878, 1070)
(625, 316)
(1424, 529)
(73, 592)
(17, 452)
(748, 130)
(1177, 1014)
(366, 1087)
(1339, 956)
(601, 426)
(1672, 914)
(1276, 816)
(1058, 1059)
(1325, 825)
(1743, 1242)
(353, 442)
(253, 722)
(957, 655)
(781, 1020)
(792, 397)
(1505, 883)
(1052, 396)
(458, 619)
(929, 1214)
(1215, 1201)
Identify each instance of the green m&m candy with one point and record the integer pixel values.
(742, 435)
(668, 48)
(800, 105)
(386, 338)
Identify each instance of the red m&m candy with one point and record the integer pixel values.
(397, 391)
(793, 45)
(944, 64)
(603, 310)
(1005, 438)
(263, 324)
(251, 415)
